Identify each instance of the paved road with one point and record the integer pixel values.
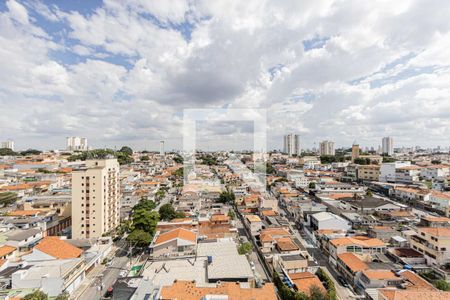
(104, 276)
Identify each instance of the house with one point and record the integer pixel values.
(52, 247)
(254, 223)
(24, 239)
(295, 263)
(384, 233)
(53, 277)
(435, 172)
(349, 265)
(189, 290)
(407, 174)
(412, 294)
(432, 221)
(269, 236)
(368, 172)
(177, 242)
(369, 205)
(440, 201)
(388, 170)
(305, 281)
(378, 279)
(356, 244)
(7, 252)
(433, 243)
(327, 220)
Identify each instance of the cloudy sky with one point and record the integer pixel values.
(121, 73)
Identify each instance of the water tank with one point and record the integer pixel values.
(209, 259)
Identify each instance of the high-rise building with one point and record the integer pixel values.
(95, 198)
(327, 148)
(292, 144)
(76, 143)
(161, 148)
(7, 144)
(387, 145)
(355, 151)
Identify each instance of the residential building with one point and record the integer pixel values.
(76, 143)
(177, 242)
(387, 145)
(440, 201)
(407, 174)
(355, 151)
(368, 172)
(305, 281)
(378, 279)
(292, 144)
(161, 148)
(327, 220)
(356, 244)
(95, 198)
(349, 265)
(433, 243)
(9, 144)
(435, 172)
(327, 148)
(388, 170)
(190, 290)
(254, 222)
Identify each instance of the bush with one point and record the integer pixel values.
(328, 283)
(245, 248)
(442, 285)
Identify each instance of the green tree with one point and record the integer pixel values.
(317, 294)
(369, 193)
(145, 203)
(231, 214)
(140, 237)
(63, 296)
(227, 197)
(167, 212)
(245, 248)
(126, 150)
(178, 159)
(145, 220)
(442, 285)
(160, 194)
(7, 152)
(179, 173)
(312, 185)
(124, 158)
(37, 295)
(30, 152)
(145, 158)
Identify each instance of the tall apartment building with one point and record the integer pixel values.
(161, 148)
(327, 148)
(387, 145)
(7, 144)
(95, 198)
(76, 143)
(355, 151)
(292, 144)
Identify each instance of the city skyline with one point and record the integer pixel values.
(351, 78)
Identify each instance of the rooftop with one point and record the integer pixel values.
(353, 262)
(380, 274)
(436, 231)
(358, 240)
(58, 248)
(178, 233)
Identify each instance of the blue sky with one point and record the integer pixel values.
(122, 72)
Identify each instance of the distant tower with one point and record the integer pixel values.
(161, 148)
(292, 144)
(387, 145)
(355, 151)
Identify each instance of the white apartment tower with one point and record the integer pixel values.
(292, 144)
(161, 148)
(76, 143)
(7, 144)
(327, 148)
(95, 198)
(387, 145)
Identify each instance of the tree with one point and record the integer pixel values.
(63, 296)
(231, 214)
(30, 152)
(140, 237)
(7, 152)
(145, 220)
(245, 248)
(126, 150)
(369, 193)
(227, 197)
(124, 158)
(179, 173)
(37, 295)
(317, 294)
(178, 159)
(312, 185)
(160, 194)
(167, 212)
(145, 158)
(145, 204)
(442, 285)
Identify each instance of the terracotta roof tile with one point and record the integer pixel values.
(178, 233)
(5, 250)
(54, 246)
(353, 262)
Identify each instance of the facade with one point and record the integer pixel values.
(177, 242)
(7, 144)
(95, 198)
(388, 170)
(292, 144)
(408, 174)
(433, 243)
(435, 172)
(387, 145)
(327, 148)
(355, 152)
(76, 143)
(368, 172)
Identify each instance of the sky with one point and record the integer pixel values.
(124, 72)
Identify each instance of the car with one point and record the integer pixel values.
(342, 281)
